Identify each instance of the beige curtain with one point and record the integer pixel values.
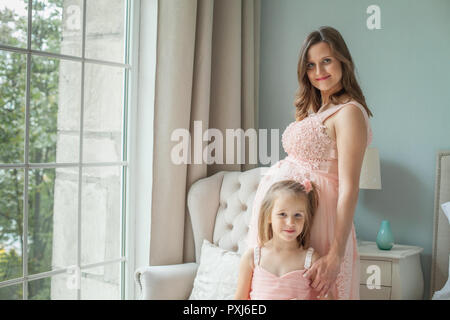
(207, 70)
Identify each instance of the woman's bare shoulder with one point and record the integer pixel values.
(350, 114)
(352, 108)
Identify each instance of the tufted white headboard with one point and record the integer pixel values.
(441, 239)
(220, 208)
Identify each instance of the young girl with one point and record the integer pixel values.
(274, 269)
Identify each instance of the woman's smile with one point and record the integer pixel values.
(324, 78)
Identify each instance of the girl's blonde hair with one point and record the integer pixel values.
(297, 189)
(309, 96)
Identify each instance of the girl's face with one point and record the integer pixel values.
(323, 69)
(288, 216)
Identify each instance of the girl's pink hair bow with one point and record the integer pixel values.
(307, 185)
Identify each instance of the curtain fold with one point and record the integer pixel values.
(207, 71)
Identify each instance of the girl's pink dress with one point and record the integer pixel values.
(292, 285)
(312, 154)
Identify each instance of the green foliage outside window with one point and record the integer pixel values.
(46, 36)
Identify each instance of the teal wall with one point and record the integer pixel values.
(404, 72)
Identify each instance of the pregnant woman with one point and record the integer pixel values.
(326, 145)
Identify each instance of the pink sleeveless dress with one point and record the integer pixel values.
(312, 154)
(292, 285)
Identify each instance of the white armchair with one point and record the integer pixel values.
(220, 208)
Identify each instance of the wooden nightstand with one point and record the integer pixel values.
(400, 271)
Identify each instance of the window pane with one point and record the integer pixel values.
(52, 219)
(59, 287)
(13, 68)
(55, 110)
(57, 26)
(14, 22)
(11, 223)
(13, 292)
(101, 201)
(65, 218)
(103, 110)
(105, 30)
(40, 219)
(101, 282)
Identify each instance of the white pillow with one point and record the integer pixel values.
(217, 274)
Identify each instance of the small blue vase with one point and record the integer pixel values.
(385, 239)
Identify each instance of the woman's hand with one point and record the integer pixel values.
(323, 273)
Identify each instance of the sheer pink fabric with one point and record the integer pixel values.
(312, 154)
(292, 285)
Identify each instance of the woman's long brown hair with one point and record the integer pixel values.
(309, 96)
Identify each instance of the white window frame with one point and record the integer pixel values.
(141, 142)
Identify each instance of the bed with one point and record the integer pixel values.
(441, 230)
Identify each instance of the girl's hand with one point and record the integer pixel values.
(323, 273)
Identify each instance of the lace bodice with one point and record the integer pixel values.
(308, 140)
